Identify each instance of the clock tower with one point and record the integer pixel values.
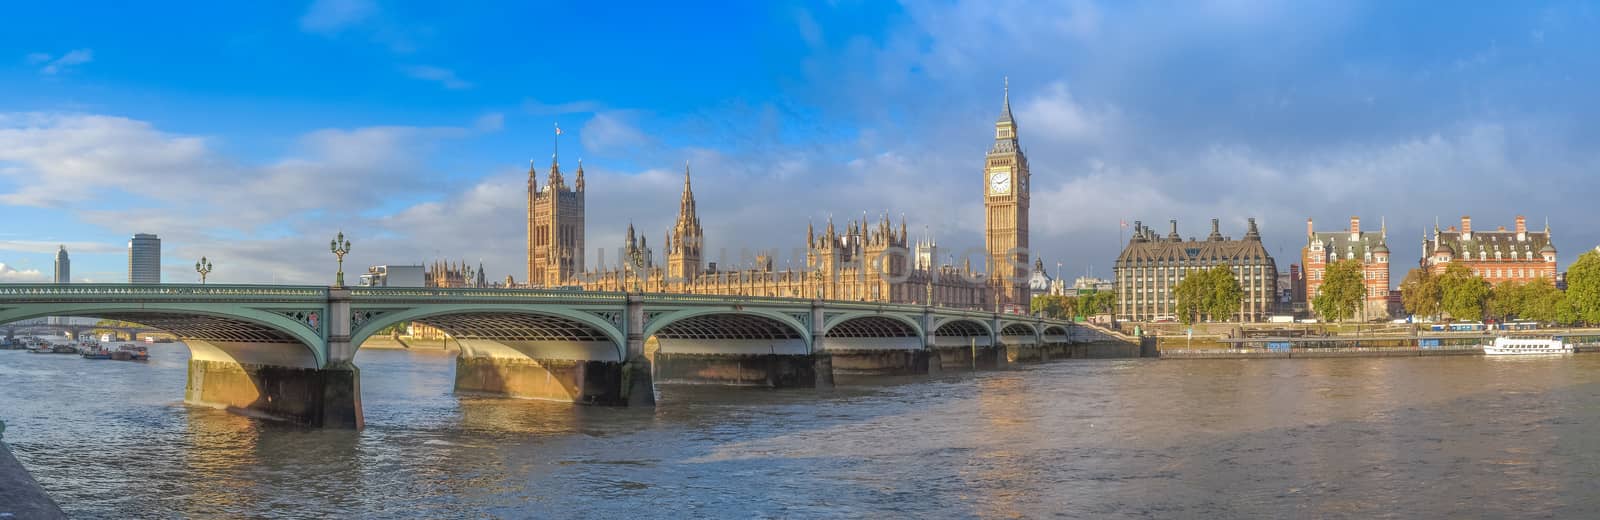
(1005, 204)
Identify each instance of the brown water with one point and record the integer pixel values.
(1449, 437)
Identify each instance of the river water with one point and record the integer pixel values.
(1449, 437)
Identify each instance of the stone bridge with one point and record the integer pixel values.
(287, 351)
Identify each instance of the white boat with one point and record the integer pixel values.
(1511, 346)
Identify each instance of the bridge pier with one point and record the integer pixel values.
(768, 370)
(884, 362)
(568, 380)
(328, 398)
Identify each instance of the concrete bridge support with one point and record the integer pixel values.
(273, 381)
(735, 348)
(876, 345)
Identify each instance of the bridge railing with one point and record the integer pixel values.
(83, 291)
(484, 294)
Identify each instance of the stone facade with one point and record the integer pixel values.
(1498, 256)
(1151, 266)
(1370, 248)
(861, 260)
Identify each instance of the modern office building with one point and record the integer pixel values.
(1151, 266)
(63, 266)
(144, 259)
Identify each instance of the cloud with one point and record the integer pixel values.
(65, 63)
(611, 131)
(48, 247)
(491, 122)
(11, 274)
(331, 16)
(442, 76)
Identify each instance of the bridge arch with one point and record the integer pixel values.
(1054, 330)
(874, 320)
(962, 332)
(564, 329)
(873, 332)
(725, 324)
(242, 335)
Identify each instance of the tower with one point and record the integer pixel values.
(63, 266)
(555, 228)
(685, 245)
(1005, 203)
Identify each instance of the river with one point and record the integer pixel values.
(1445, 437)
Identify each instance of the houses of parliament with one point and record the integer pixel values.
(858, 260)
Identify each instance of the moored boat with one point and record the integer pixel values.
(132, 353)
(96, 353)
(1520, 346)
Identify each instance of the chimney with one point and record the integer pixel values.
(1173, 236)
(1466, 227)
(1522, 228)
(1355, 227)
(1310, 231)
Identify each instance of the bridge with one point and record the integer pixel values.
(287, 352)
(75, 328)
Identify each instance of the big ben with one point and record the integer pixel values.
(1005, 203)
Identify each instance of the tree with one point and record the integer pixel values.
(1542, 302)
(1583, 287)
(1507, 300)
(1045, 305)
(1214, 293)
(1099, 302)
(1420, 292)
(1223, 301)
(1191, 294)
(1464, 293)
(1342, 292)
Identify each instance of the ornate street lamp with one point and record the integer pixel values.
(636, 259)
(204, 268)
(818, 276)
(339, 247)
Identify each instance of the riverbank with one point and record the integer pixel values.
(1236, 353)
(20, 495)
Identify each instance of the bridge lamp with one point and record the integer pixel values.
(204, 268)
(339, 247)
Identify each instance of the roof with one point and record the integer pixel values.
(1340, 245)
(1495, 244)
(1146, 245)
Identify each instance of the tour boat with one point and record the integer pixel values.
(1509, 346)
(96, 353)
(131, 353)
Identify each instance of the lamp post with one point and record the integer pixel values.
(204, 268)
(339, 247)
(636, 260)
(817, 277)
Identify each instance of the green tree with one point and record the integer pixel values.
(1420, 293)
(1342, 292)
(1191, 295)
(1542, 302)
(1099, 302)
(1464, 293)
(1507, 300)
(1045, 305)
(1225, 295)
(1583, 287)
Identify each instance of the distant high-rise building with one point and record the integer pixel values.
(144, 259)
(63, 266)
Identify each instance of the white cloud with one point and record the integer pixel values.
(52, 65)
(1054, 115)
(48, 247)
(537, 108)
(12, 274)
(610, 132)
(491, 122)
(440, 75)
(332, 16)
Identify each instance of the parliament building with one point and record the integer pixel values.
(861, 260)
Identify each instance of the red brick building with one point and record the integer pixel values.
(1369, 248)
(1498, 256)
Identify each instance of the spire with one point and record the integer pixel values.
(811, 234)
(1005, 112)
(579, 182)
(631, 240)
(533, 177)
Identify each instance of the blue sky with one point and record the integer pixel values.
(250, 133)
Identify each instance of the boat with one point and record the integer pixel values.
(96, 353)
(53, 349)
(1519, 346)
(131, 353)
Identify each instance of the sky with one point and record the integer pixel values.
(251, 133)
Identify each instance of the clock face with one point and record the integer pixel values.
(1000, 183)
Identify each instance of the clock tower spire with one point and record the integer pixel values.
(1005, 204)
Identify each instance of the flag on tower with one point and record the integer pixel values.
(558, 128)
